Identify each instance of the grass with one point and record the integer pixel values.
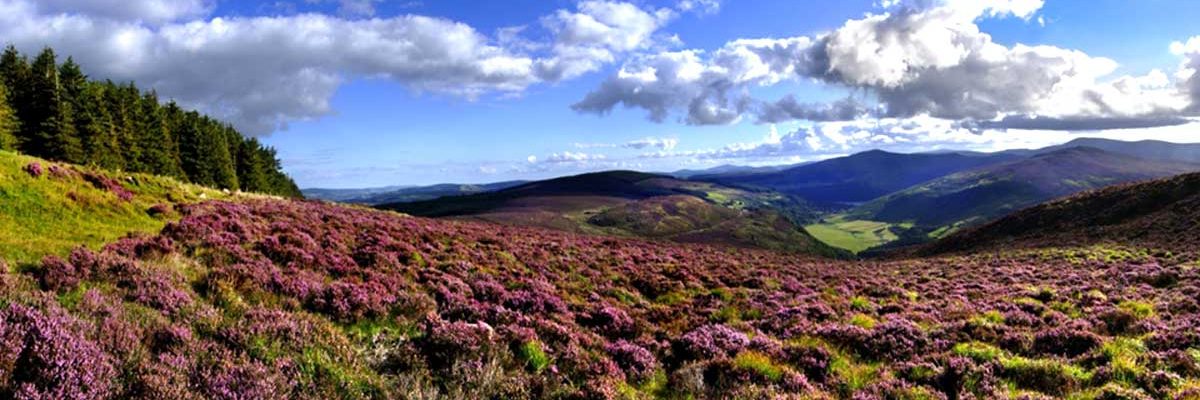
(51, 215)
(760, 364)
(853, 235)
(535, 358)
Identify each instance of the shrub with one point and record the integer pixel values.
(34, 169)
(1065, 341)
(710, 341)
(42, 355)
(638, 362)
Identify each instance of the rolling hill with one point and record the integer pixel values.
(979, 195)
(1162, 214)
(626, 203)
(1147, 149)
(860, 177)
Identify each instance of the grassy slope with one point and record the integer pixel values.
(51, 215)
(850, 234)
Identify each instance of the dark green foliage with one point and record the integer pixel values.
(8, 121)
(54, 111)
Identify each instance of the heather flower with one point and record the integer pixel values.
(1063, 341)
(609, 321)
(710, 341)
(57, 274)
(638, 362)
(34, 169)
(42, 356)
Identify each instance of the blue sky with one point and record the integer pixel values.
(358, 93)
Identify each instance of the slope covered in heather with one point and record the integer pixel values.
(1162, 214)
(634, 204)
(286, 299)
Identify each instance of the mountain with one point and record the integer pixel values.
(979, 195)
(860, 177)
(405, 194)
(728, 169)
(627, 203)
(1147, 149)
(1162, 214)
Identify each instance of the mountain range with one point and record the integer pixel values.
(867, 202)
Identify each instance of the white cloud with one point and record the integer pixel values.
(148, 11)
(572, 157)
(660, 143)
(923, 57)
(262, 72)
(699, 6)
(596, 34)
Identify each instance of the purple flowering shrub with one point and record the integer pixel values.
(277, 299)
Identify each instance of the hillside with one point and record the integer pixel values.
(1162, 214)
(287, 299)
(1147, 149)
(976, 196)
(626, 203)
(50, 208)
(860, 177)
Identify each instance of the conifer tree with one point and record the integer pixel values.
(8, 121)
(50, 130)
(14, 71)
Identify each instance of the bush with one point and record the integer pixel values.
(710, 341)
(1064, 341)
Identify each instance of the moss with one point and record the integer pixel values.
(533, 355)
(859, 303)
(1052, 377)
(863, 321)
(759, 364)
(978, 351)
(1139, 309)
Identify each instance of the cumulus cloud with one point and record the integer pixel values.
(595, 34)
(1189, 70)
(699, 6)
(148, 11)
(709, 86)
(262, 72)
(920, 58)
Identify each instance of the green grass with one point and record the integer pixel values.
(535, 358)
(852, 235)
(51, 215)
(760, 364)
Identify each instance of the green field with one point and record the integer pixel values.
(852, 235)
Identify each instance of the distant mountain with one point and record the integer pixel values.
(860, 177)
(729, 169)
(986, 193)
(1161, 214)
(627, 203)
(1148, 149)
(404, 194)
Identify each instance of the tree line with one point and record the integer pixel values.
(55, 111)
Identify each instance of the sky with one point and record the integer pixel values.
(365, 93)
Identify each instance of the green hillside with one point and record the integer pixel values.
(64, 206)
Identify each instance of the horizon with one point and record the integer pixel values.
(371, 93)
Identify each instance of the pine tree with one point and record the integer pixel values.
(14, 71)
(50, 129)
(94, 123)
(251, 171)
(8, 121)
(160, 154)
